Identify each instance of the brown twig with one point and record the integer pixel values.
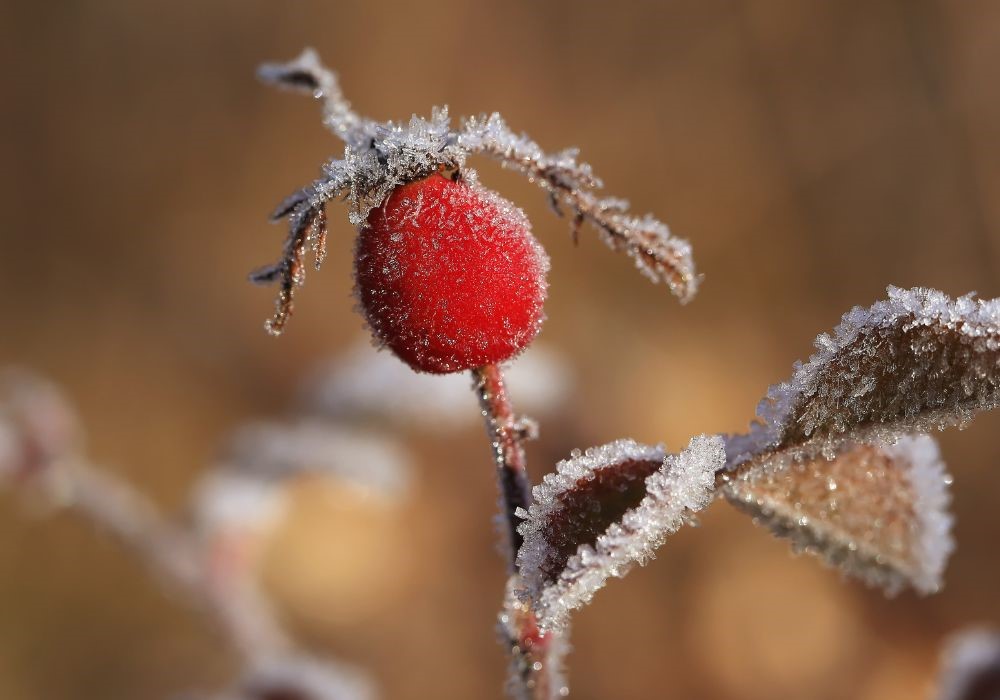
(532, 671)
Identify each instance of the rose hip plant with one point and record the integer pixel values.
(450, 278)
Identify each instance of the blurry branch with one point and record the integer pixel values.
(41, 449)
(970, 666)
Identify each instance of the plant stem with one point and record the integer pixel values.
(508, 453)
(531, 676)
(169, 552)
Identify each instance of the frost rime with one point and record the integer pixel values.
(879, 513)
(914, 362)
(682, 484)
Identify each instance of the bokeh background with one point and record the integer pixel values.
(811, 152)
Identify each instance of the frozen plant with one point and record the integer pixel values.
(211, 558)
(450, 278)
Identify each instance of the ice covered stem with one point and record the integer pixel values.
(508, 453)
(529, 648)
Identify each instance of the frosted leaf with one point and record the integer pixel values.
(274, 452)
(37, 424)
(367, 384)
(914, 362)
(304, 678)
(970, 666)
(603, 511)
(380, 156)
(879, 513)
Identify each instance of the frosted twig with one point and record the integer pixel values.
(528, 646)
(307, 75)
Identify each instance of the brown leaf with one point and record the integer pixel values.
(875, 512)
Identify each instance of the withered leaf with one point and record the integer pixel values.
(879, 513)
(605, 510)
(914, 362)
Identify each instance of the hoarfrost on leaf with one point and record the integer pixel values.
(909, 364)
(970, 666)
(877, 512)
(605, 510)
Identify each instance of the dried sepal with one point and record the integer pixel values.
(380, 156)
(306, 74)
(604, 510)
(876, 512)
(909, 364)
(657, 253)
(970, 666)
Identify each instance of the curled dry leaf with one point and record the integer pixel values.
(970, 666)
(603, 511)
(879, 513)
(914, 362)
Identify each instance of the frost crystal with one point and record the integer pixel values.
(378, 157)
(914, 362)
(879, 513)
(970, 666)
(371, 385)
(603, 511)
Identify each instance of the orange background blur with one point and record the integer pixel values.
(811, 152)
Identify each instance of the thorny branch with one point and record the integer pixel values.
(534, 656)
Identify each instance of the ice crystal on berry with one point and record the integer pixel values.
(381, 157)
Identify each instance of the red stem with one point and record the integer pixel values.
(529, 648)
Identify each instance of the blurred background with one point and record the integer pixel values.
(812, 154)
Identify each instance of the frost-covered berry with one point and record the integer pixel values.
(450, 276)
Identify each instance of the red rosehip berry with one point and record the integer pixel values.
(450, 276)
